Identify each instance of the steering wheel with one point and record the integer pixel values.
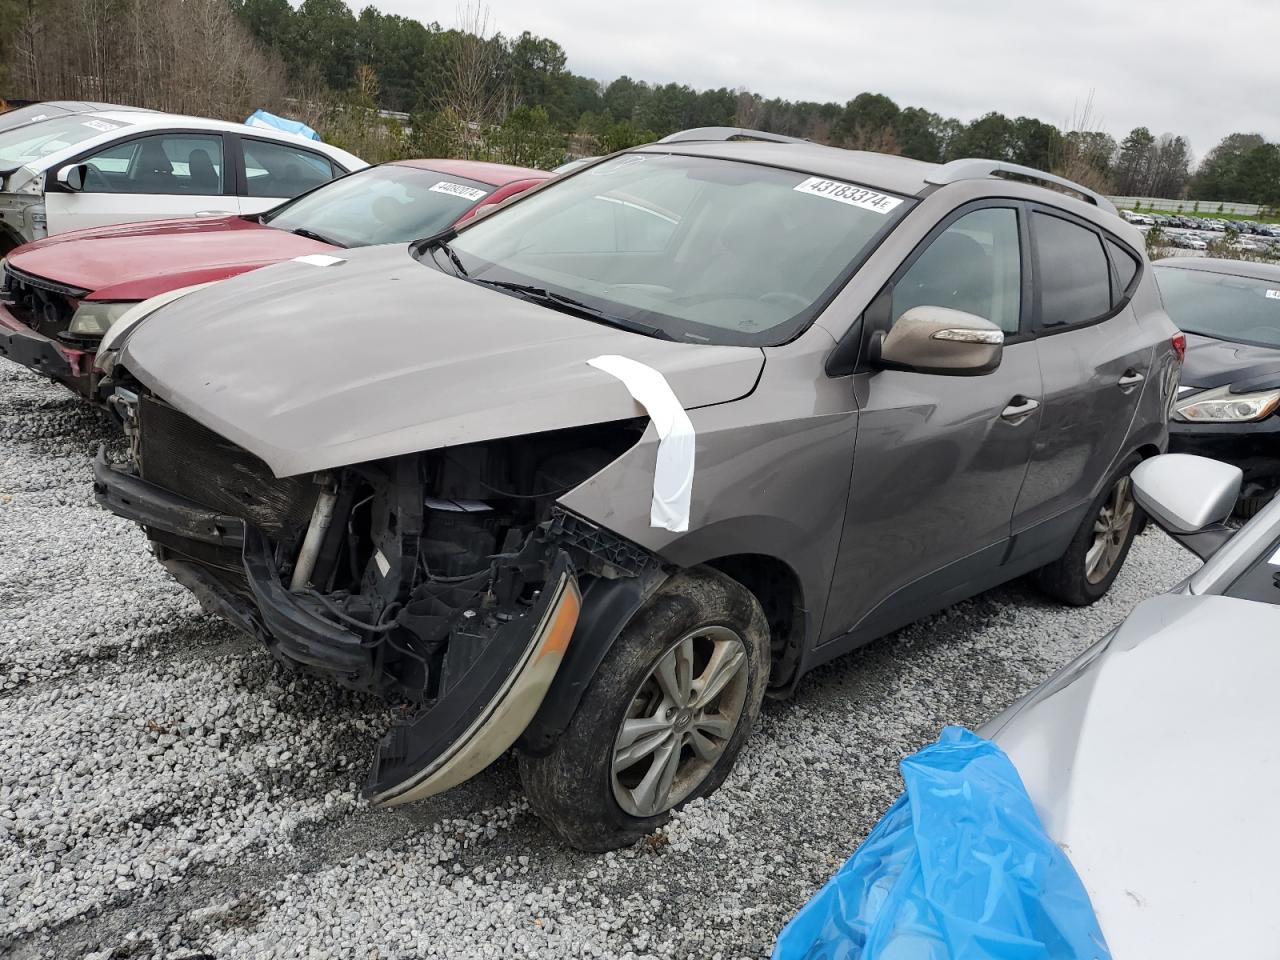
(94, 181)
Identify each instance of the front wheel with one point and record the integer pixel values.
(1097, 552)
(662, 720)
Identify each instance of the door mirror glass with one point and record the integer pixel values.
(1184, 494)
(72, 176)
(929, 339)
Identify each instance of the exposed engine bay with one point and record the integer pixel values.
(449, 580)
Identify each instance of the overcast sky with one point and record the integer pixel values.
(1188, 67)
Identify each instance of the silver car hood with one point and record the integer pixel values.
(1153, 762)
(311, 367)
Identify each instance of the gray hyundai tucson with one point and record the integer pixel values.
(595, 474)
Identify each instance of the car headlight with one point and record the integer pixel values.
(1223, 406)
(94, 318)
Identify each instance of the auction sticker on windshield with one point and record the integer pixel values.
(460, 190)
(101, 125)
(848, 193)
(1273, 294)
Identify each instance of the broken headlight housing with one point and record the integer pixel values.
(94, 317)
(1222, 406)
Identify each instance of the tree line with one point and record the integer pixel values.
(470, 91)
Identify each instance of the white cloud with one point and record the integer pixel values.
(1175, 66)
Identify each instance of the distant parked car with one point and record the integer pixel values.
(465, 417)
(1230, 391)
(59, 296)
(79, 170)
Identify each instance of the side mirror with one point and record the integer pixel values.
(1189, 497)
(73, 175)
(940, 340)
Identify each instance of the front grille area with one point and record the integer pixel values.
(185, 458)
(42, 305)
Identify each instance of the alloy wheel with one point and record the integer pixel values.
(1110, 531)
(679, 721)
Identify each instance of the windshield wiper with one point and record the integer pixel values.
(441, 242)
(570, 305)
(312, 235)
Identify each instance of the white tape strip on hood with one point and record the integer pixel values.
(673, 476)
(319, 260)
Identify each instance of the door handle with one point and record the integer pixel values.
(1019, 407)
(1130, 379)
(213, 213)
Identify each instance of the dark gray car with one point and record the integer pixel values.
(595, 473)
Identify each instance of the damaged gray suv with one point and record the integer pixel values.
(595, 474)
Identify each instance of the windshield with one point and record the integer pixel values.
(697, 249)
(25, 144)
(1221, 306)
(387, 204)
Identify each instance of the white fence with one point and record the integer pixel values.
(1200, 207)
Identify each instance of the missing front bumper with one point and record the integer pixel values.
(487, 696)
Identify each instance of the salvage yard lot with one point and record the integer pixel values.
(166, 791)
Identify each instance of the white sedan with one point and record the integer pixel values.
(118, 166)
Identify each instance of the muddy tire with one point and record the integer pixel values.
(670, 707)
(1076, 579)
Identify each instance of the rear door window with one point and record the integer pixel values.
(281, 170)
(1074, 274)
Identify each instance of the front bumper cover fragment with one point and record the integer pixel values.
(484, 715)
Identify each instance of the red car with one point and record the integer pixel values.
(58, 296)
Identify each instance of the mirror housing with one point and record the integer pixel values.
(72, 176)
(1189, 497)
(940, 340)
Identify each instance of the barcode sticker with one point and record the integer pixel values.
(1273, 294)
(460, 190)
(847, 193)
(101, 125)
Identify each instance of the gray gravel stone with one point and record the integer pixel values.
(166, 791)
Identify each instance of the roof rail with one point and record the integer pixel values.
(727, 133)
(974, 169)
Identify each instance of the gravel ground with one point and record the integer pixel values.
(167, 792)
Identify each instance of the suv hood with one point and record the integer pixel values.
(312, 367)
(1152, 762)
(137, 261)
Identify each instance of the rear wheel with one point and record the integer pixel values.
(1097, 552)
(662, 720)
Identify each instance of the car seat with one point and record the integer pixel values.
(204, 176)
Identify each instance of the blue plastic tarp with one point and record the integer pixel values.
(260, 118)
(960, 867)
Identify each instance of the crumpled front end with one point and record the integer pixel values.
(449, 580)
(34, 316)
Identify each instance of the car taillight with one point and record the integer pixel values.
(1179, 344)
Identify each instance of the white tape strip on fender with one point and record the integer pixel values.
(673, 476)
(319, 260)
